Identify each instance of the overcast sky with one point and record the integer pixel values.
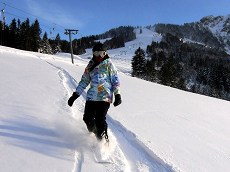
(97, 16)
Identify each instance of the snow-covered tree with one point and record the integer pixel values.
(45, 46)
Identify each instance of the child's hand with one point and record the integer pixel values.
(117, 100)
(72, 98)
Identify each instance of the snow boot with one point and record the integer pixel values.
(103, 135)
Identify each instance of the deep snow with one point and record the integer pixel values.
(156, 128)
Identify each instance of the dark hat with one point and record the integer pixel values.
(99, 47)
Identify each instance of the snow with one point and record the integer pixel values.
(156, 128)
(217, 28)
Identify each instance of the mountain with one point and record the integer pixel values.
(220, 27)
(156, 128)
(210, 31)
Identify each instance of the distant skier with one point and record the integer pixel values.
(103, 78)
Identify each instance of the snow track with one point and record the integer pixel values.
(119, 161)
(138, 155)
(129, 153)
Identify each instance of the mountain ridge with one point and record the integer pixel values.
(209, 30)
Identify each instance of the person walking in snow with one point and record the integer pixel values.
(103, 78)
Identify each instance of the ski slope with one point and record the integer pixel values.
(156, 128)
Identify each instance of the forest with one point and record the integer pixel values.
(188, 66)
(27, 36)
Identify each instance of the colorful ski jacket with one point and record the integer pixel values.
(103, 80)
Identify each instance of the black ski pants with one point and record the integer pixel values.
(95, 117)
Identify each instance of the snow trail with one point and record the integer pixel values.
(77, 162)
(139, 155)
(119, 161)
(128, 150)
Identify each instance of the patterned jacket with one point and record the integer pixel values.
(103, 80)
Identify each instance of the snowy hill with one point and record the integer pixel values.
(156, 128)
(220, 27)
(219, 24)
(142, 40)
(210, 31)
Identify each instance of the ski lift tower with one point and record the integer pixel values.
(69, 32)
(3, 22)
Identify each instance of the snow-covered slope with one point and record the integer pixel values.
(156, 128)
(142, 40)
(220, 27)
(122, 56)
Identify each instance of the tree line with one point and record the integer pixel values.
(27, 36)
(187, 66)
(114, 38)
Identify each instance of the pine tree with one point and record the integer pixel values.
(57, 47)
(4, 30)
(65, 46)
(24, 35)
(170, 73)
(139, 63)
(17, 41)
(12, 34)
(45, 45)
(151, 73)
(35, 33)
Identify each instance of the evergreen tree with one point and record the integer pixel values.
(151, 72)
(139, 63)
(77, 47)
(57, 48)
(24, 35)
(45, 46)
(12, 34)
(17, 41)
(35, 33)
(115, 42)
(4, 30)
(141, 31)
(55, 44)
(170, 73)
(65, 46)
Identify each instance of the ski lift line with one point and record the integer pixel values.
(20, 17)
(17, 9)
(33, 16)
(30, 14)
(25, 19)
(15, 15)
(48, 27)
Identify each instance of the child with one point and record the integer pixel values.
(102, 76)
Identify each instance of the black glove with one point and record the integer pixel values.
(72, 98)
(117, 100)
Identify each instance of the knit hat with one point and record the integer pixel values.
(99, 47)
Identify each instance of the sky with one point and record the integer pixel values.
(92, 17)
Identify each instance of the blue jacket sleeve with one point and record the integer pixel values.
(115, 81)
(85, 80)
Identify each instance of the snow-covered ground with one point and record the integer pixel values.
(156, 128)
